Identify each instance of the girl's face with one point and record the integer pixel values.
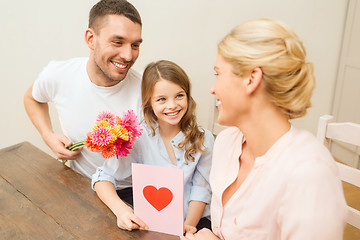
(169, 103)
(230, 93)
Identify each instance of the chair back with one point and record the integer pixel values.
(348, 133)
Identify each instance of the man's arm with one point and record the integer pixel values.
(40, 117)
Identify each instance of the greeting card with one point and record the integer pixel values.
(159, 197)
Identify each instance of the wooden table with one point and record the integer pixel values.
(40, 198)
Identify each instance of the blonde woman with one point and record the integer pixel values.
(270, 180)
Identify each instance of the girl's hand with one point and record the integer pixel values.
(190, 229)
(203, 234)
(127, 220)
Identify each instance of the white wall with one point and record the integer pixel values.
(187, 31)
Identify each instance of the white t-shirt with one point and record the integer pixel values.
(293, 191)
(78, 102)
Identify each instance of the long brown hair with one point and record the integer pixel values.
(170, 71)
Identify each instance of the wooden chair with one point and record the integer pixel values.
(348, 133)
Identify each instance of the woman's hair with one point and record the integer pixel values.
(112, 7)
(280, 54)
(169, 71)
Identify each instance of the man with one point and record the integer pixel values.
(81, 88)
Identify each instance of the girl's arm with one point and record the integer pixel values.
(104, 181)
(200, 190)
(126, 219)
(195, 212)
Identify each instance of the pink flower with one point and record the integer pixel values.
(111, 135)
(101, 136)
(132, 138)
(107, 117)
(129, 121)
(122, 147)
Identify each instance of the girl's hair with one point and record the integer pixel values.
(280, 54)
(169, 71)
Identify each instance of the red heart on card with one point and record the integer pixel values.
(158, 198)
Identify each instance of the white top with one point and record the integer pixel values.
(151, 150)
(78, 102)
(293, 191)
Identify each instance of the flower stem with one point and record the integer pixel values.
(74, 147)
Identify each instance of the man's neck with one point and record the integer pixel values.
(97, 77)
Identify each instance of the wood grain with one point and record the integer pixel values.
(40, 198)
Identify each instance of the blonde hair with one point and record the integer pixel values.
(277, 50)
(169, 71)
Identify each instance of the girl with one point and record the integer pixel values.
(171, 138)
(274, 181)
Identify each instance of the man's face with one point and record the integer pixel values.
(116, 48)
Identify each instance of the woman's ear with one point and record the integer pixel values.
(89, 38)
(254, 80)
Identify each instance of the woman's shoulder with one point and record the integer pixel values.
(306, 150)
(230, 131)
(305, 142)
(230, 134)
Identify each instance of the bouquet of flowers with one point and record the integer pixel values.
(111, 135)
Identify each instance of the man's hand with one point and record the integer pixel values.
(58, 144)
(127, 220)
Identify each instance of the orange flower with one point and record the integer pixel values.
(90, 145)
(118, 120)
(108, 151)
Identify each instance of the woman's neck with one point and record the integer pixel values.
(263, 129)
